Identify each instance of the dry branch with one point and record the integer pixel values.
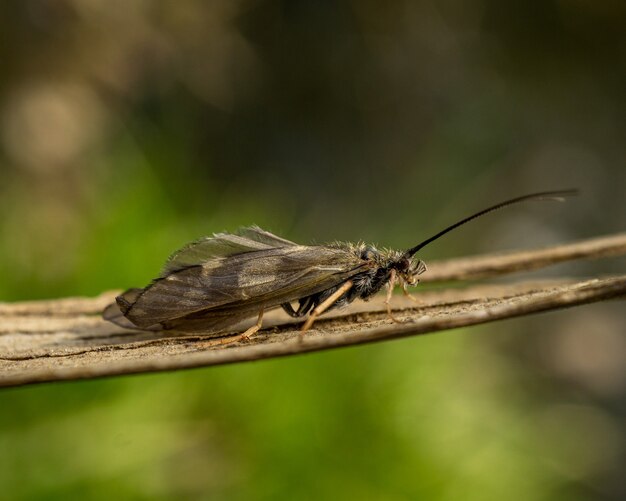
(66, 339)
(492, 265)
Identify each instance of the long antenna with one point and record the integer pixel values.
(555, 196)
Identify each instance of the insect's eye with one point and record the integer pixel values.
(368, 254)
(403, 265)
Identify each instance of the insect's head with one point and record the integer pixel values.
(409, 270)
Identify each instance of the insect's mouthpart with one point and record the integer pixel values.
(420, 267)
(416, 270)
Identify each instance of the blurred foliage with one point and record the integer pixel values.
(129, 128)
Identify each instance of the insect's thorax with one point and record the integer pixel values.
(375, 276)
(375, 269)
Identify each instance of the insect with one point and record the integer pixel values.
(214, 283)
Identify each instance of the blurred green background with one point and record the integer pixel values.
(130, 128)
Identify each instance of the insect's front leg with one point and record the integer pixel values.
(390, 285)
(409, 295)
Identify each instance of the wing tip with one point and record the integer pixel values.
(117, 312)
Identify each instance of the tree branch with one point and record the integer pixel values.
(66, 339)
(491, 265)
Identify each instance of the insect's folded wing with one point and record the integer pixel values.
(259, 235)
(242, 283)
(222, 245)
(115, 312)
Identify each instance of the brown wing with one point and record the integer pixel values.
(265, 237)
(248, 239)
(241, 284)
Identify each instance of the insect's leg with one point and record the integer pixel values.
(244, 336)
(410, 296)
(303, 308)
(289, 309)
(327, 303)
(255, 328)
(390, 285)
